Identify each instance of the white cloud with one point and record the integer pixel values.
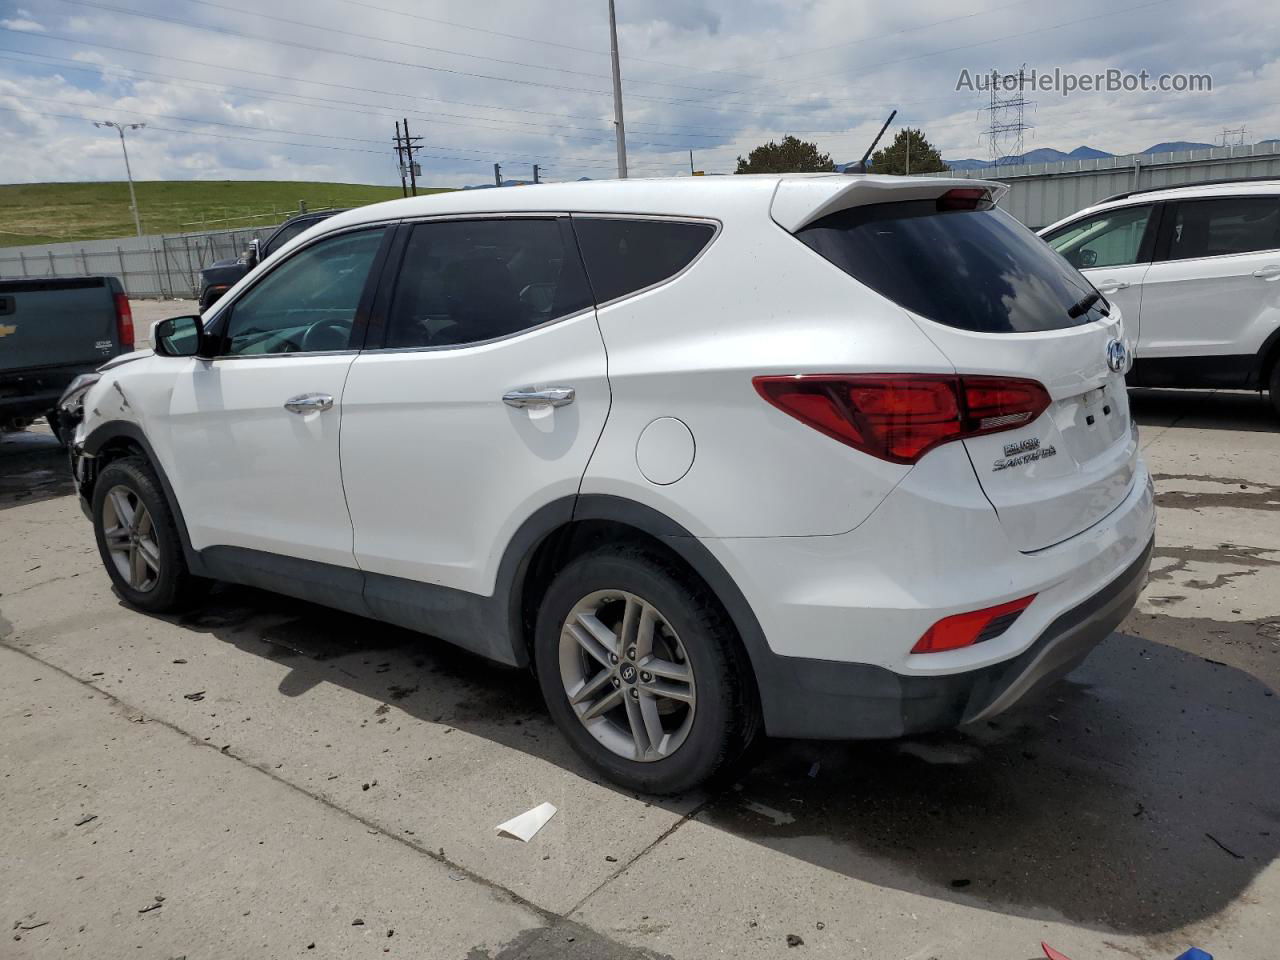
(22, 23)
(714, 76)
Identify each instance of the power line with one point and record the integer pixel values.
(297, 133)
(229, 136)
(364, 36)
(721, 108)
(549, 43)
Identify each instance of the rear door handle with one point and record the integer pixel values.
(1111, 286)
(545, 397)
(309, 403)
(1269, 272)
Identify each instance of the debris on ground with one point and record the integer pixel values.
(159, 902)
(794, 940)
(528, 823)
(778, 817)
(961, 883)
(1224, 848)
(89, 819)
(813, 770)
(195, 697)
(357, 922)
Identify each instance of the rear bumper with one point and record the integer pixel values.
(838, 701)
(33, 393)
(840, 614)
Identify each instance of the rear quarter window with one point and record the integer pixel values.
(623, 255)
(976, 270)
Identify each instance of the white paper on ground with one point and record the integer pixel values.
(528, 823)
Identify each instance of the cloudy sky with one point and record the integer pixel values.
(310, 89)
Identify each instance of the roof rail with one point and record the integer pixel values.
(1193, 183)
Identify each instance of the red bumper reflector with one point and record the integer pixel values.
(966, 629)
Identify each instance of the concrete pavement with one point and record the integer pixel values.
(1130, 813)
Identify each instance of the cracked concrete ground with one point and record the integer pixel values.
(275, 772)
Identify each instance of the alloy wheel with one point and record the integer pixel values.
(129, 533)
(627, 676)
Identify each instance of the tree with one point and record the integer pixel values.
(792, 155)
(897, 159)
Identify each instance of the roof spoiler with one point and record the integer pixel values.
(799, 202)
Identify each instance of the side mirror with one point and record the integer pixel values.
(178, 337)
(1088, 258)
(254, 255)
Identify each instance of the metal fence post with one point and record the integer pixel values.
(124, 276)
(159, 282)
(22, 258)
(53, 267)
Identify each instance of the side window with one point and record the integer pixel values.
(464, 281)
(623, 256)
(284, 235)
(1110, 239)
(309, 302)
(1212, 228)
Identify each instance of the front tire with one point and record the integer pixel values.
(642, 671)
(138, 538)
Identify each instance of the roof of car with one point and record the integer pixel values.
(1216, 189)
(670, 196)
(1189, 191)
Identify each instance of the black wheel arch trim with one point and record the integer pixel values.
(103, 434)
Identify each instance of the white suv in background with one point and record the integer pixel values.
(819, 455)
(1196, 270)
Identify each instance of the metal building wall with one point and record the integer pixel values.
(1042, 193)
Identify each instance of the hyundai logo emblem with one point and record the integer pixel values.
(1117, 355)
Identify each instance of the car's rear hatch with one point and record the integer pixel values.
(998, 302)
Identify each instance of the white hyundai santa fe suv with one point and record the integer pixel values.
(1196, 270)
(815, 455)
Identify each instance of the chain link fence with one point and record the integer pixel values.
(149, 266)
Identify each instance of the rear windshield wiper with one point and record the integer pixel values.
(1085, 303)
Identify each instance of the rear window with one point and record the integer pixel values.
(975, 270)
(623, 256)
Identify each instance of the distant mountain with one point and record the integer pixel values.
(1172, 146)
(1050, 155)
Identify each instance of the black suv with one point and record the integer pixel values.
(219, 277)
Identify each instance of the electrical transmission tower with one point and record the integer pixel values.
(1233, 136)
(1007, 117)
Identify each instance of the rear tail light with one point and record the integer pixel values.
(900, 417)
(965, 198)
(124, 320)
(966, 629)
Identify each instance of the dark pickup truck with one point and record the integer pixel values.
(217, 278)
(51, 331)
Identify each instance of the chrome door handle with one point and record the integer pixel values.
(546, 397)
(1270, 272)
(1111, 286)
(309, 403)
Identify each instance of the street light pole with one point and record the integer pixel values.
(618, 130)
(120, 129)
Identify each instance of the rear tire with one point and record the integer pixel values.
(138, 538)
(1273, 387)
(665, 697)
